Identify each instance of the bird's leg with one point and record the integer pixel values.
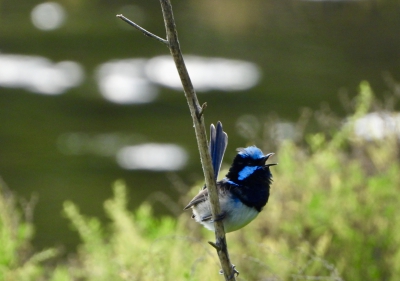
(219, 217)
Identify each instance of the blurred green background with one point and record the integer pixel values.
(59, 139)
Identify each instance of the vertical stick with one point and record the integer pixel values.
(200, 130)
(196, 112)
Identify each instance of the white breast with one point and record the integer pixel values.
(237, 214)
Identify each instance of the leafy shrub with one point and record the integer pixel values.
(17, 263)
(333, 215)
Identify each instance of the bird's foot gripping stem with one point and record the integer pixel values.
(219, 217)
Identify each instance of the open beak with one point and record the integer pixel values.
(266, 158)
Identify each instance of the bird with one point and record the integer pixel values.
(242, 193)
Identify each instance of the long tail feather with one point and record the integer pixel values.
(217, 146)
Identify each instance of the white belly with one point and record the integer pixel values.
(237, 214)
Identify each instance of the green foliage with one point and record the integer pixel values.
(333, 215)
(333, 212)
(16, 261)
(138, 246)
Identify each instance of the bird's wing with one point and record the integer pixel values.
(201, 197)
(217, 146)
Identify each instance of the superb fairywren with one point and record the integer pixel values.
(242, 193)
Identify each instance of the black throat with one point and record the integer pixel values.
(250, 182)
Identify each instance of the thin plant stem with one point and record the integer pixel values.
(197, 113)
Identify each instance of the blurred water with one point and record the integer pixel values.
(39, 75)
(78, 87)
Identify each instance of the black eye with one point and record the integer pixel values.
(252, 163)
(260, 162)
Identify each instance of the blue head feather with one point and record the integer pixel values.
(252, 152)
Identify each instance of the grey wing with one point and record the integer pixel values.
(201, 197)
(217, 146)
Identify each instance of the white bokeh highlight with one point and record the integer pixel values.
(38, 74)
(48, 16)
(130, 81)
(123, 82)
(206, 73)
(152, 156)
(378, 125)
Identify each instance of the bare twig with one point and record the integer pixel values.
(203, 108)
(144, 31)
(197, 113)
